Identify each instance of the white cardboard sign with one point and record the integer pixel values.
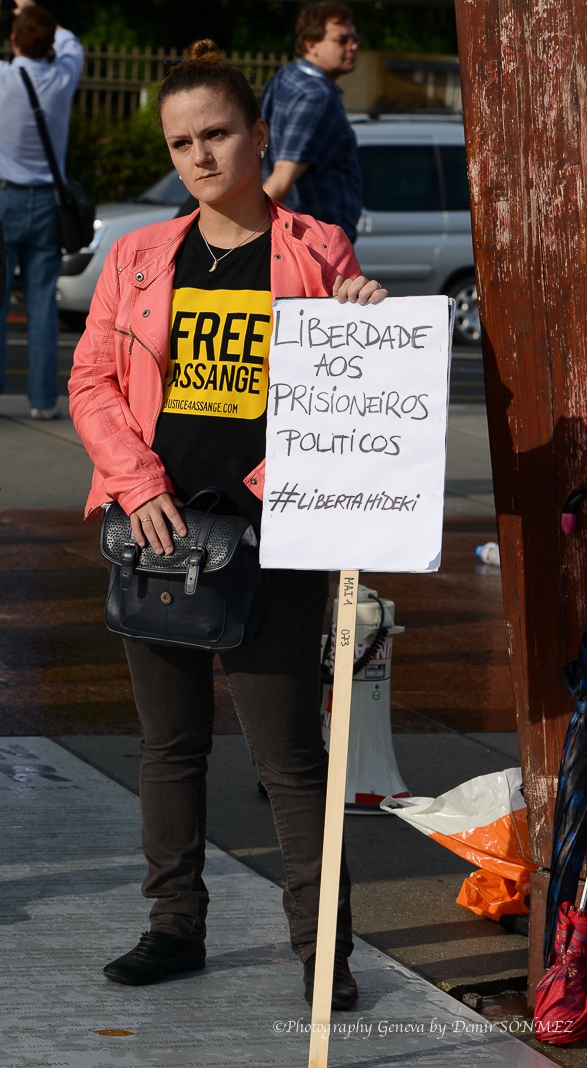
(356, 434)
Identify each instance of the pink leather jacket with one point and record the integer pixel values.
(116, 386)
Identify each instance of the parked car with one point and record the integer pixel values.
(414, 231)
(415, 228)
(81, 270)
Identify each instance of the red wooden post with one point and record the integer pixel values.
(524, 79)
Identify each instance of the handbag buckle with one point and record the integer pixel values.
(128, 558)
(195, 563)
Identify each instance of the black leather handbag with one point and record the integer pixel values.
(74, 207)
(209, 594)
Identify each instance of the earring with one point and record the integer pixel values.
(262, 154)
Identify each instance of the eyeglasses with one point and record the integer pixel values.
(345, 38)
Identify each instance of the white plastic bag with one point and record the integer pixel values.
(485, 821)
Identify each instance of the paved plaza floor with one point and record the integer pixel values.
(70, 883)
(72, 865)
(44, 465)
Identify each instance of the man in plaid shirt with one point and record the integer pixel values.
(312, 155)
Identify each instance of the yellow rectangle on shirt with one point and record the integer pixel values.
(219, 353)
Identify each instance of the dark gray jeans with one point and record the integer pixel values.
(275, 685)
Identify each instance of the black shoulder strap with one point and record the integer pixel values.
(211, 491)
(44, 135)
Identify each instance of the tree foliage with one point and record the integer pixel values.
(265, 25)
(117, 161)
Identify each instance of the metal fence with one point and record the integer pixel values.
(115, 82)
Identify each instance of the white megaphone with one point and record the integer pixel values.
(372, 771)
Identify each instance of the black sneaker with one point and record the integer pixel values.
(156, 955)
(344, 988)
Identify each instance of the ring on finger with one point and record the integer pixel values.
(147, 520)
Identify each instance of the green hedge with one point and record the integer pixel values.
(117, 161)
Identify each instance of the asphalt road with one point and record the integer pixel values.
(466, 377)
(17, 355)
(466, 380)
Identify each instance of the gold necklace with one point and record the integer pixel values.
(218, 258)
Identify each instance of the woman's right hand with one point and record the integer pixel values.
(149, 526)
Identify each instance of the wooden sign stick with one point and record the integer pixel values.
(334, 816)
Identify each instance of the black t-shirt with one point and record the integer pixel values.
(211, 431)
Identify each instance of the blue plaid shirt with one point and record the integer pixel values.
(307, 124)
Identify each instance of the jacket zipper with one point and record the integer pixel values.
(127, 333)
(133, 337)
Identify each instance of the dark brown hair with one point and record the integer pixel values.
(34, 30)
(311, 24)
(207, 68)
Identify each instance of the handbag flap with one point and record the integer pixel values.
(223, 540)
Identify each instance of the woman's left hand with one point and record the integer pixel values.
(358, 290)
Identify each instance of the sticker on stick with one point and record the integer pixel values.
(356, 434)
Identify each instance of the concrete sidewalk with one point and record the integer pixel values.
(404, 884)
(44, 465)
(70, 883)
(64, 675)
(469, 483)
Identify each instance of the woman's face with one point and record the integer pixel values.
(212, 148)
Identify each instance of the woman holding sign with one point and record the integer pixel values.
(169, 394)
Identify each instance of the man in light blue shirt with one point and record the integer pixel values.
(28, 204)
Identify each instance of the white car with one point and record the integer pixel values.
(414, 230)
(80, 270)
(415, 227)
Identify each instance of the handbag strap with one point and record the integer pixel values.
(213, 490)
(45, 138)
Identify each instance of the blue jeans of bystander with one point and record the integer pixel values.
(29, 220)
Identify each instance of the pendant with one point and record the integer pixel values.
(213, 267)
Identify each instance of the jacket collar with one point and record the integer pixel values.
(164, 251)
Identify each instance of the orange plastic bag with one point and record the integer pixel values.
(485, 821)
(492, 896)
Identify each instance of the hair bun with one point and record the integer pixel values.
(206, 51)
